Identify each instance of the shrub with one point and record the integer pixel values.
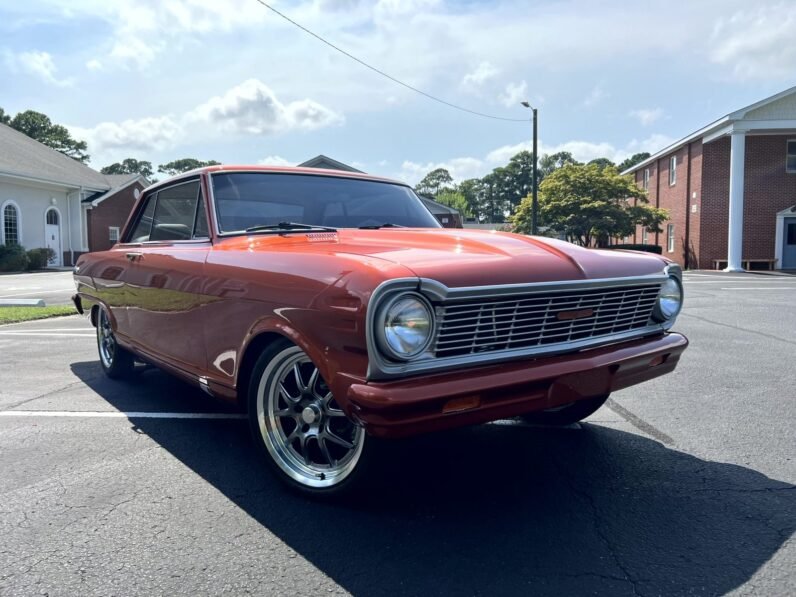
(39, 258)
(638, 247)
(13, 258)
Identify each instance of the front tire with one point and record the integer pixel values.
(309, 442)
(567, 414)
(116, 362)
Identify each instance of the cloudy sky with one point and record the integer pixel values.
(231, 81)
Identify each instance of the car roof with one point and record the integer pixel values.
(276, 169)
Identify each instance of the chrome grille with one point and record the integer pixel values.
(542, 319)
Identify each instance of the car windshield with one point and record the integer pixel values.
(257, 200)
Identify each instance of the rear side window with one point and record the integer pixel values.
(141, 231)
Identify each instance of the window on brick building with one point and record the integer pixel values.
(113, 234)
(646, 179)
(790, 163)
(645, 236)
(670, 238)
(672, 170)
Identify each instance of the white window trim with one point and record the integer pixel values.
(3, 221)
(646, 179)
(670, 238)
(110, 234)
(787, 155)
(645, 236)
(672, 170)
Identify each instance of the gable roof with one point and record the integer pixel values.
(22, 156)
(322, 161)
(777, 107)
(438, 208)
(125, 179)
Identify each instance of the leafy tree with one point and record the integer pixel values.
(39, 126)
(589, 205)
(473, 191)
(434, 182)
(602, 163)
(550, 163)
(518, 180)
(634, 159)
(130, 166)
(4, 118)
(183, 165)
(455, 200)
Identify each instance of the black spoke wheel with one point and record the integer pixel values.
(115, 361)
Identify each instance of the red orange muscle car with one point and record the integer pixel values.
(336, 310)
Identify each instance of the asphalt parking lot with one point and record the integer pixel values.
(682, 485)
(54, 287)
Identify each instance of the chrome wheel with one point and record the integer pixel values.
(306, 433)
(105, 339)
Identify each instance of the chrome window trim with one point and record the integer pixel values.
(382, 368)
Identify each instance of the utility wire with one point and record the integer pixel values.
(383, 74)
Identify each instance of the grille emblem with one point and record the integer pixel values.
(579, 314)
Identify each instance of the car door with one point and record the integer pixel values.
(164, 276)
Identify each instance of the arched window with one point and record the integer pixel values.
(11, 224)
(52, 217)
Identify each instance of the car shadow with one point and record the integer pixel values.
(496, 509)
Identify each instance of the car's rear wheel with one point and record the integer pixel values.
(309, 441)
(566, 414)
(116, 362)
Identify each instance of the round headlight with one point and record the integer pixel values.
(405, 327)
(670, 300)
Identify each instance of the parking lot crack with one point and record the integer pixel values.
(47, 394)
(739, 328)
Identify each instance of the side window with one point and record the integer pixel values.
(144, 225)
(175, 212)
(200, 228)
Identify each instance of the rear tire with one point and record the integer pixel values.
(567, 414)
(116, 362)
(308, 441)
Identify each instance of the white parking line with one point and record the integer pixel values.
(49, 334)
(759, 288)
(37, 292)
(94, 414)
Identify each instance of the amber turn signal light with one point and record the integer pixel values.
(463, 403)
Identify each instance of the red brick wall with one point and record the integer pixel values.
(113, 211)
(768, 189)
(674, 199)
(695, 198)
(652, 194)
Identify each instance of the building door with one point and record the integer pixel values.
(52, 236)
(789, 244)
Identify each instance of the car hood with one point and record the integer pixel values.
(462, 257)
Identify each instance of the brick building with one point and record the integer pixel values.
(730, 189)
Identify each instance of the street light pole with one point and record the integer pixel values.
(534, 184)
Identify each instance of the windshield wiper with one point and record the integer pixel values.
(377, 226)
(290, 226)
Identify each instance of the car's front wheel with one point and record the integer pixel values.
(566, 414)
(116, 362)
(307, 438)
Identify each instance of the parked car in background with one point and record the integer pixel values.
(335, 309)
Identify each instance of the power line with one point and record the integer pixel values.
(383, 74)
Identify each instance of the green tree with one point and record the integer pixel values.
(589, 205)
(4, 118)
(455, 200)
(634, 159)
(183, 165)
(602, 163)
(552, 162)
(434, 182)
(39, 126)
(473, 191)
(518, 177)
(130, 166)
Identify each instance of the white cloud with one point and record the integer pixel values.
(94, 64)
(275, 160)
(514, 94)
(143, 134)
(757, 43)
(38, 64)
(253, 108)
(596, 95)
(483, 72)
(647, 116)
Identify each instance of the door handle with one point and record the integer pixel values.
(134, 256)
